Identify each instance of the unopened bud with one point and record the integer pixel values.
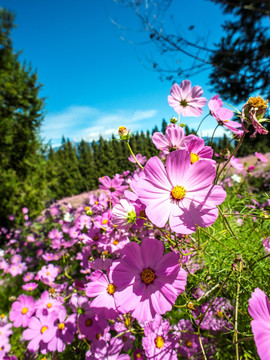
(123, 133)
(182, 125)
(173, 120)
(190, 306)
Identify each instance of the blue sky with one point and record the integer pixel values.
(93, 81)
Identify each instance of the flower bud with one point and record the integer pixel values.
(123, 133)
(173, 120)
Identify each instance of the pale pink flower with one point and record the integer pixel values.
(261, 157)
(259, 310)
(173, 139)
(180, 192)
(147, 282)
(186, 100)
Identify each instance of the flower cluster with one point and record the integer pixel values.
(107, 278)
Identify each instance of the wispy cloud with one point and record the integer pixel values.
(84, 122)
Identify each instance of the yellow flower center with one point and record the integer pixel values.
(258, 102)
(220, 314)
(49, 305)
(159, 342)
(115, 242)
(61, 326)
(87, 208)
(47, 273)
(194, 158)
(24, 310)
(127, 321)
(105, 221)
(111, 289)
(188, 343)
(138, 356)
(2, 316)
(147, 276)
(88, 322)
(51, 290)
(30, 288)
(178, 192)
(43, 329)
(96, 202)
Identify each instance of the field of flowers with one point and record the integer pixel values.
(168, 262)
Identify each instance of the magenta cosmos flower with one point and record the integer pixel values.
(186, 100)
(102, 289)
(22, 310)
(223, 116)
(174, 139)
(180, 192)
(259, 310)
(261, 157)
(147, 283)
(40, 330)
(158, 343)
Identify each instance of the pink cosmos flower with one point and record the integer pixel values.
(141, 159)
(216, 316)
(102, 289)
(173, 139)
(266, 243)
(47, 274)
(113, 186)
(30, 286)
(189, 342)
(261, 157)
(259, 310)
(46, 304)
(24, 210)
(28, 277)
(158, 343)
(107, 351)
(22, 310)
(40, 330)
(90, 324)
(123, 215)
(65, 330)
(147, 283)
(181, 192)
(235, 162)
(198, 151)
(223, 115)
(186, 100)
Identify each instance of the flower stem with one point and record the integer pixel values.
(213, 237)
(213, 135)
(201, 123)
(235, 336)
(132, 153)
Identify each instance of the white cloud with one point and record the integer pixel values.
(83, 122)
(218, 133)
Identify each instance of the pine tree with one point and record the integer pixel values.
(22, 162)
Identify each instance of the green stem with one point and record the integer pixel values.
(132, 153)
(232, 154)
(236, 312)
(213, 135)
(201, 123)
(227, 225)
(213, 237)
(256, 261)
